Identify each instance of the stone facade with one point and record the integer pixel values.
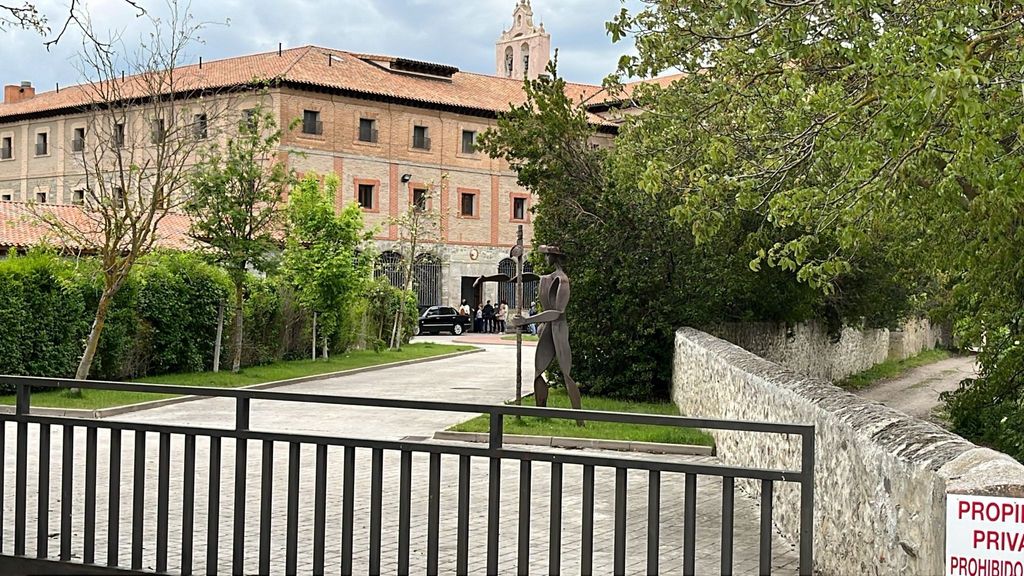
(808, 348)
(881, 476)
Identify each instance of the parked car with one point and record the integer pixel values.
(442, 319)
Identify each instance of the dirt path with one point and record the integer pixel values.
(917, 391)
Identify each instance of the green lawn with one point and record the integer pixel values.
(94, 399)
(891, 369)
(603, 430)
(526, 337)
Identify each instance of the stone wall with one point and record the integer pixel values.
(881, 476)
(808, 348)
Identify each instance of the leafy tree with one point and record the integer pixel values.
(637, 274)
(855, 128)
(235, 204)
(325, 257)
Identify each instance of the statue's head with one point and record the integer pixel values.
(554, 254)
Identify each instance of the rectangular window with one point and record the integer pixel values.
(6, 197)
(420, 137)
(41, 197)
(467, 204)
(6, 148)
(519, 208)
(42, 144)
(118, 196)
(311, 123)
(419, 199)
(200, 126)
(249, 120)
(366, 196)
(78, 197)
(367, 130)
(157, 131)
(119, 135)
(78, 140)
(468, 142)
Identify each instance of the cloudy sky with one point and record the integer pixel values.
(456, 32)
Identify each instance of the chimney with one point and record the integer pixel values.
(14, 94)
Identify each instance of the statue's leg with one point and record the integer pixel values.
(545, 353)
(560, 336)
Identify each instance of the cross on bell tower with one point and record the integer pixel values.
(523, 50)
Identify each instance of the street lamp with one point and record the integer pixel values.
(406, 178)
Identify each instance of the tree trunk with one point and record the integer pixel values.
(325, 348)
(220, 334)
(93, 342)
(314, 336)
(236, 362)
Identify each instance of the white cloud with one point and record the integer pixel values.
(456, 32)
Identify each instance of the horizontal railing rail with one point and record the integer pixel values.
(241, 435)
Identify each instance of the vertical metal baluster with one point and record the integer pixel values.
(765, 558)
(376, 496)
(404, 503)
(114, 499)
(3, 472)
(621, 480)
(728, 495)
(807, 504)
(292, 527)
(213, 510)
(525, 489)
(21, 471)
(238, 527)
(43, 508)
(89, 544)
(163, 498)
(67, 482)
(555, 538)
(433, 513)
(138, 499)
(348, 510)
(188, 493)
(320, 509)
(653, 522)
(689, 525)
(494, 492)
(266, 504)
(587, 544)
(462, 531)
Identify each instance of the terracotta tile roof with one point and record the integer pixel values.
(315, 67)
(21, 227)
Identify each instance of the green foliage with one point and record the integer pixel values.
(382, 303)
(866, 135)
(325, 257)
(637, 275)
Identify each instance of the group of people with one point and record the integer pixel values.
(491, 319)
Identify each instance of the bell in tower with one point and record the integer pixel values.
(524, 50)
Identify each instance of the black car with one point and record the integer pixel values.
(441, 319)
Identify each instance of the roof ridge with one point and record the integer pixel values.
(299, 58)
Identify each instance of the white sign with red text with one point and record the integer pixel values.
(984, 536)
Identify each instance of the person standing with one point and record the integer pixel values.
(532, 312)
(501, 316)
(478, 321)
(488, 317)
(464, 309)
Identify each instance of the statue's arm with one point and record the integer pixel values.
(539, 318)
(562, 295)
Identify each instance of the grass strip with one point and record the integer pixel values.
(284, 370)
(891, 369)
(533, 426)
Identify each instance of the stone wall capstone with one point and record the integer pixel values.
(881, 476)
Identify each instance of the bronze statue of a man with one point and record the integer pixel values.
(554, 330)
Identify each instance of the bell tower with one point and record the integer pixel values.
(523, 50)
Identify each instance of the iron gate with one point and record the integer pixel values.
(507, 290)
(427, 280)
(359, 473)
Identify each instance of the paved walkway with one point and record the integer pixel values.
(473, 378)
(917, 391)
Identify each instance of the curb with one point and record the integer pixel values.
(101, 413)
(580, 443)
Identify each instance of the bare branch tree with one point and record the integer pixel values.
(28, 17)
(141, 137)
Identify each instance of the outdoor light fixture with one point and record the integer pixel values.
(406, 178)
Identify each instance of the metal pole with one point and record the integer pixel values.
(519, 314)
(220, 332)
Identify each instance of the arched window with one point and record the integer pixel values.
(509, 61)
(427, 280)
(526, 59)
(390, 264)
(529, 288)
(507, 290)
